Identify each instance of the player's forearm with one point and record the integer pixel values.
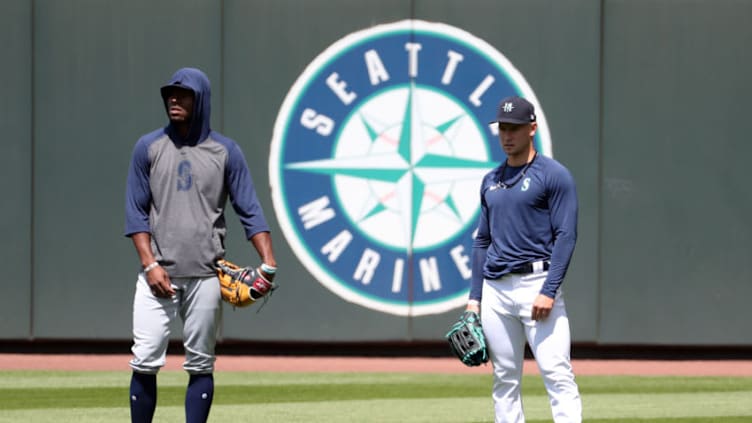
(142, 242)
(564, 223)
(262, 242)
(476, 282)
(560, 259)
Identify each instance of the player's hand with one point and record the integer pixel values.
(267, 276)
(542, 307)
(159, 283)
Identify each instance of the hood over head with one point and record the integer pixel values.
(196, 81)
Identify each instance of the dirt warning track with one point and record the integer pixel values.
(254, 363)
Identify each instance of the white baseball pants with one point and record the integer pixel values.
(506, 309)
(198, 303)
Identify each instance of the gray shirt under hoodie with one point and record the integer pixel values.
(177, 189)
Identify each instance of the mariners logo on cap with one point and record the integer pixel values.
(376, 161)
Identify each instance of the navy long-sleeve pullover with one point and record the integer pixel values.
(535, 219)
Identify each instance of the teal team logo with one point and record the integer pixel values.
(377, 157)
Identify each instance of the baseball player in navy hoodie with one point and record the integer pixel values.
(179, 181)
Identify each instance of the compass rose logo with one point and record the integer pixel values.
(377, 157)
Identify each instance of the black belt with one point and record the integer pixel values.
(529, 267)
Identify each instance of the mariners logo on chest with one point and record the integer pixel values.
(377, 157)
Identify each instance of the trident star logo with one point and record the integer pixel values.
(401, 166)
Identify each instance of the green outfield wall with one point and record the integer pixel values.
(646, 102)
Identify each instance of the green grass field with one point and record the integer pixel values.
(87, 397)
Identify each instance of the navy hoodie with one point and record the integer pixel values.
(177, 188)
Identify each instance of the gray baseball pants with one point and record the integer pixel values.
(197, 302)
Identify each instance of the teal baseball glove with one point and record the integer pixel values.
(467, 341)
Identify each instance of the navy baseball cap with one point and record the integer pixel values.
(515, 110)
(166, 90)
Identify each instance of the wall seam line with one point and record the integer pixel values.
(32, 172)
(599, 172)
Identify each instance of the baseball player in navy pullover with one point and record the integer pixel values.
(526, 236)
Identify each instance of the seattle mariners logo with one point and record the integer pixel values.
(377, 157)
